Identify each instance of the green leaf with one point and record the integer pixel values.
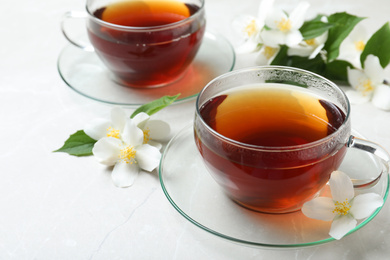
(281, 58)
(155, 106)
(337, 70)
(316, 65)
(312, 29)
(78, 144)
(343, 23)
(378, 45)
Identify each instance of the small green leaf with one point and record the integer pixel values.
(155, 106)
(78, 144)
(281, 58)
(316, 65)
(343, 24)
(313, 29)
(337, 70)
(378, 45)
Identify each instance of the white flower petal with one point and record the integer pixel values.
(275, 16)
(261, 59)
(356, 77)
(273, 38)
(97, 129)
(264, 8)
(155, 144)
(364, 205)
(350, 55)
(374, 70)
(159, 130)
(316, 51)
(148, 157)
(124, 174)
(107, 150)
(132, 135)
(356, 97)
(341, 225)
(319, 208)
(118, 118)
(351, 49)
(251, 45)
(341, 186)
(241, 22)
(381, 97)
(294, 37)
(141, 119)
(322, 38)
(297, 16)
(299, 50)
(359, 33)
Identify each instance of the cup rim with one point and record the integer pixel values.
(145, 28)
(277, 148)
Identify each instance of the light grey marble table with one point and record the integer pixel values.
(54, 206)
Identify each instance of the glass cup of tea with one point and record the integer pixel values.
(271, 136)
(143, 43)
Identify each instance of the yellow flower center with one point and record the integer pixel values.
(269, 52)
(146, 135)
(359, 45)
(251, 28)
(342, 208)
(284, 25)
(367, 87)
(112, 132)
(127, 154)
(310, 42)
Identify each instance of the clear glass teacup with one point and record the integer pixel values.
(271, 136)
(144, 44)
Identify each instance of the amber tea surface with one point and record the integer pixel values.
(275, 116)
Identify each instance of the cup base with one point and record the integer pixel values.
(146, 85)
(267, 210)
(275, 210)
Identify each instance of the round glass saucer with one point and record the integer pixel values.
(83, 72)
(197, 197)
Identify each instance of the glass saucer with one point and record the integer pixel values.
(83, 72)
(196, 196)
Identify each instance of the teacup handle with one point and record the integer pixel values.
(377, 150)
(75, 15)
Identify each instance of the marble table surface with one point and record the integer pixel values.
(55, 206)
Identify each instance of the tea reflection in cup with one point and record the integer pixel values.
(144, 43)
(271, 136)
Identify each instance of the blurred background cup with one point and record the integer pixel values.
(143, 43)
(271, 136)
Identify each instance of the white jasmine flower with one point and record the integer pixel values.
(381, 97)
(310, 48)
(128, 155)
(249, 27)
(100, 127)
(266, 55)
(352, 46)
(343, 208)
(154, 130)
(283, 29)
(365, 81)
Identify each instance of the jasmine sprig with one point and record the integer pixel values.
(334, 46)
(314, 47)
(80, 144)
